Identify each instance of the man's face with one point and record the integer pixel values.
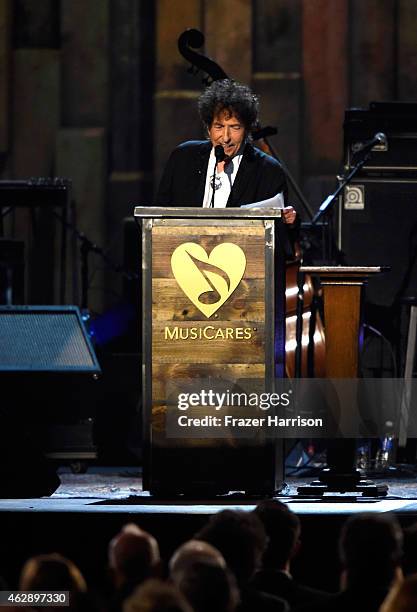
(227, 130)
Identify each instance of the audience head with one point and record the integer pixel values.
(198, 569)
(241, 539)
(283, 529)
(194, 551)
(154, 595)
(207, 586)
(133, 556)
(51, 572)
(402, 597)
(371, 549)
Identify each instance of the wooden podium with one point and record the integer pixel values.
(213, 290)
(343, 293)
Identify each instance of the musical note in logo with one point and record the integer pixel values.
(212, 296)
(208, 281)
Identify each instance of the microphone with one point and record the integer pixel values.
(379, 139)
(219, 153)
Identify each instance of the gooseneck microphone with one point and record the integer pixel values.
(379, 138)
(220, 155)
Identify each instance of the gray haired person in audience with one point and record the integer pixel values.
(199, 570)
(133, 556)
(155, 595)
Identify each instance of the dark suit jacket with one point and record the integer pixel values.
(282, 585)
(252, 600)
(359, 599)
(259, 177)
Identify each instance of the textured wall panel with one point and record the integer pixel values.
(132, 45)
(280, 108)
(35, 111)
(277, 36)
(177, 120)
(5, 24)
(81, 156)
(85, 71)
(407, 53)
(325, 34)
(175, 108)
(171, 20)
(372, 43)
(228, 30)
(277, 74)
(130, 101)
(36, 24)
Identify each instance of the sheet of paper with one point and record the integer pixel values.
(277, 201)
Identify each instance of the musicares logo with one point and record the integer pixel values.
(208, 280)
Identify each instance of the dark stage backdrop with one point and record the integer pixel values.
(96, 91)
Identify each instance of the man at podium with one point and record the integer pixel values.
(226, 169)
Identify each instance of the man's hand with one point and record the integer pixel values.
(289, 215)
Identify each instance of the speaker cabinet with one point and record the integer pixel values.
(44, 353)
(378, 226)
(45, 339)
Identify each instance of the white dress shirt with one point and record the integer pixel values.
(223, 181)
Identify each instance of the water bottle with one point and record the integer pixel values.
(384, 454)
(363, 456)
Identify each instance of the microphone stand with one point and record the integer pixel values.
(87, 247)
(328, 203)
(213, 183)
(219, 156)
(268, 131)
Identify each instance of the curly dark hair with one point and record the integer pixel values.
(232, 97)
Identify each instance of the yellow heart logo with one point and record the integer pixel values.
(208, 281)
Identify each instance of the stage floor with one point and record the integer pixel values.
(88, 509)
(119, 490)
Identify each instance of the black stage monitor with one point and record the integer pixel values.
(45, 339)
